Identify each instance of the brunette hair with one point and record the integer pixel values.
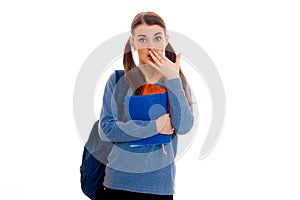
(136, 78)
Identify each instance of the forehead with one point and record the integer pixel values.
(148, 30)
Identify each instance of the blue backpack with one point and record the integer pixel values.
(92, 171)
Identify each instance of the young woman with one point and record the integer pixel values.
(145, 172)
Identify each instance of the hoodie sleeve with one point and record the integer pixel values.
(181, 113)
(111, 129)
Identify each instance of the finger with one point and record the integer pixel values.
(155, 52)
(155, 58)
(158, 57)
(170, 132)
(160, 53)
(167, 132)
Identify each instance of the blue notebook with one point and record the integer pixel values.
(148, 107)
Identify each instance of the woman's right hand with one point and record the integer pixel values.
(163, 125)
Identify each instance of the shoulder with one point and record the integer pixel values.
(116, 81)
(111, 82)
(116, 76)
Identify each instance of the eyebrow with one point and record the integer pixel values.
(146, 35)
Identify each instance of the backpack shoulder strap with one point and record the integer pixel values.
(120, 92)
(119, 74)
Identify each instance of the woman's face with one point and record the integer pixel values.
(146, 37)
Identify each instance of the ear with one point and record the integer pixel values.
(132, 43)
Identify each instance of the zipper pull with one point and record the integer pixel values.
(163, 149)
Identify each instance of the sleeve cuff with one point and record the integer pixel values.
(175, 84)
(150, 130)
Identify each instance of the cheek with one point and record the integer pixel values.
(160, 46)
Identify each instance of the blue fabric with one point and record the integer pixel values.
(147, 107)
(143, 169)
(94, 160)
(93, 166)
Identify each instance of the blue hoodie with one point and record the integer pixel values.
(143, 169)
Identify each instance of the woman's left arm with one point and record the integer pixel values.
(182, 118)
(181, 113)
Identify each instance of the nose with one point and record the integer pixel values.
(150, 45)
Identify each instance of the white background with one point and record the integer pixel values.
(255, 46)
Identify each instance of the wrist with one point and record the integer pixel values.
(173, 76)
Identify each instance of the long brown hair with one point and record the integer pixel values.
(148, 18)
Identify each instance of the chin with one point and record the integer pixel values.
(144, 61)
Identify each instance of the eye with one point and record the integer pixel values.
(158, 38)
(142, 40)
